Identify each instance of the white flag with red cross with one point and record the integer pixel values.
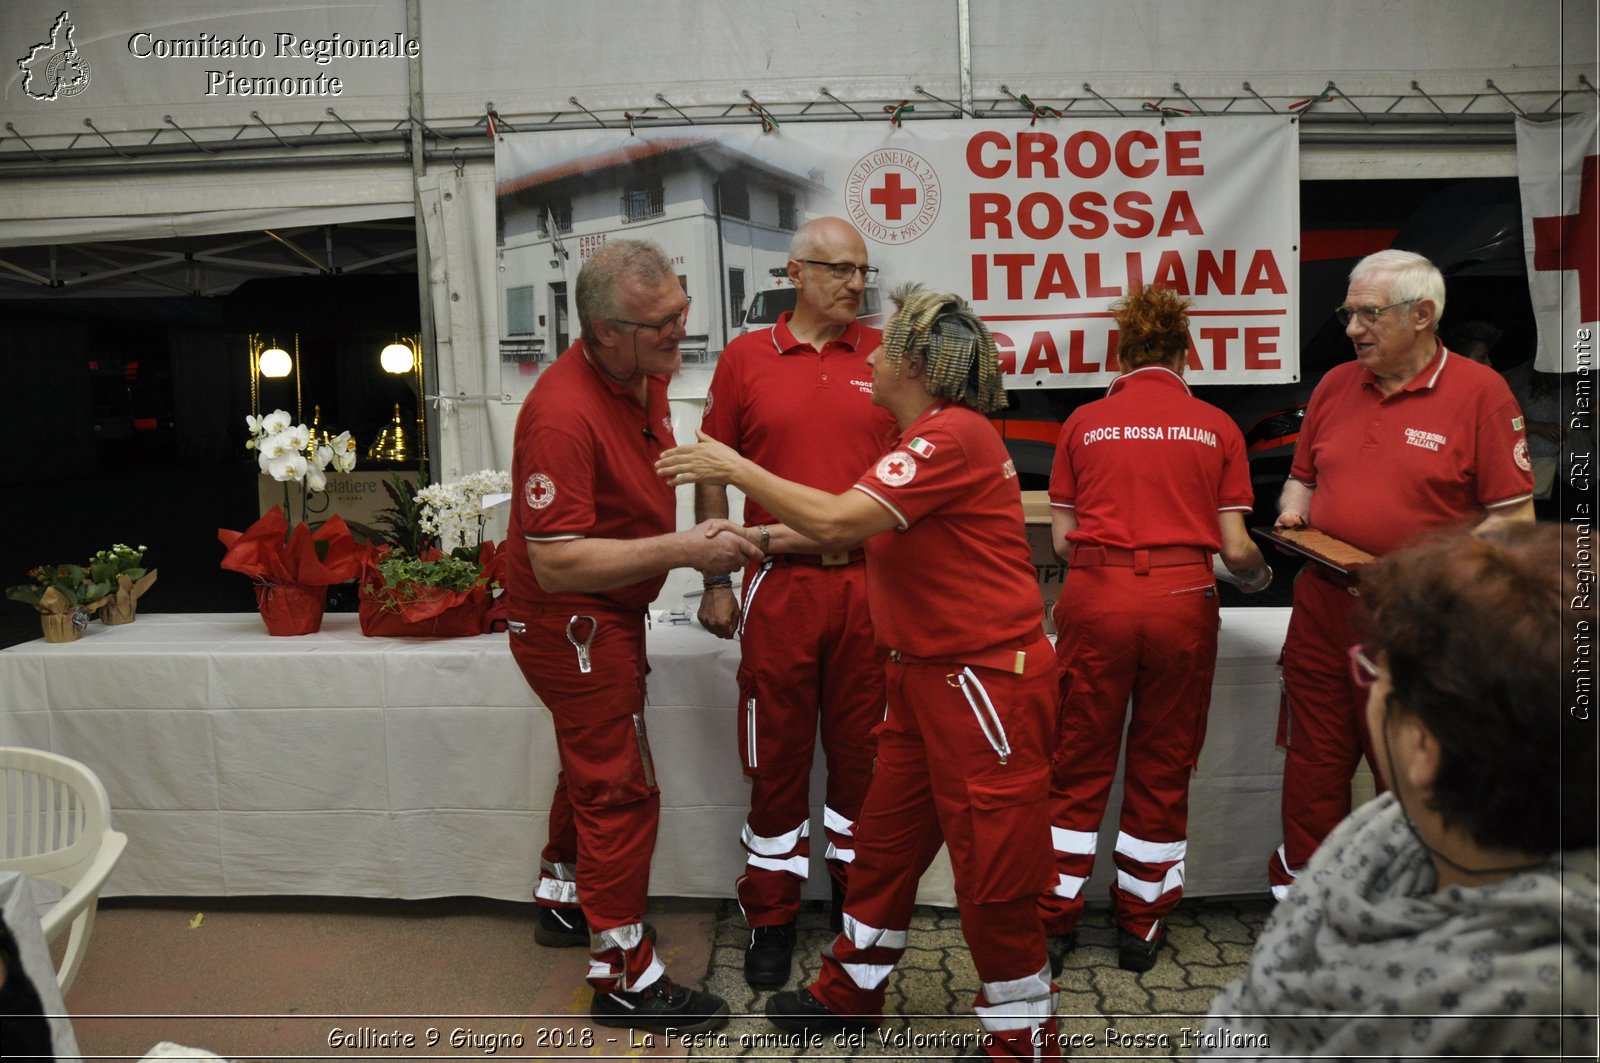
(1557, 172)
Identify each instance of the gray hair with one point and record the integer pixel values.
(599, 293)
(1411, 277)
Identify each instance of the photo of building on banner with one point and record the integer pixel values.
(1041, 227)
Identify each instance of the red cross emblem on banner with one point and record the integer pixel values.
(1567, 241)
(892, 196)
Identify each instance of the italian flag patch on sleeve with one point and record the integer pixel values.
(920, 447)
(1516, 424)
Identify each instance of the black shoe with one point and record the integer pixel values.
(1060, 946)
(836, 906)
(661, 1006)
(566, 928)
(562, 928)
(767, 958)
(800, 1012)
(1134, 953)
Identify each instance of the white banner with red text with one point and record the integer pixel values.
(1042, 226)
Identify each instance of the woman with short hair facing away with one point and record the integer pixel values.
(1455, 914)
(964, 750)
(1148, 484)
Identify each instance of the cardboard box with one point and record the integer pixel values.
(356, 496)
(1051, 572)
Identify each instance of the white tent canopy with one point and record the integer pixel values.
(153, 138)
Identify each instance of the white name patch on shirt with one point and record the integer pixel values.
(1426, 440)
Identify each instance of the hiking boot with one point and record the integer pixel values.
(800, 1012)
(660, 1006)
(1060, 946)
(566, 928)
(1134, 953)
(767, 958)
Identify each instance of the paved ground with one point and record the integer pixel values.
(929, 1013)
(288, 978)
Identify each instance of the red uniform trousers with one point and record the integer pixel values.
(606, 805)
(1151, 636)
(940, 779)
(1322, 722)
(807, 655)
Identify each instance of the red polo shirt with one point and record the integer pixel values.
(1150, 465)
(805, 415)
(1445, 447)
(584, 467)
(957, 577)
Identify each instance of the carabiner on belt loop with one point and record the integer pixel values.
(584, 664)
(996, 734)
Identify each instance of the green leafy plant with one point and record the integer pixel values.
(106, 565)
(402, 522)
(71, 582)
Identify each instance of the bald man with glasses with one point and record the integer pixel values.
(1406, 438)
(797, 399)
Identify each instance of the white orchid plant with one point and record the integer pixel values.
(454, 513)
(287, 453)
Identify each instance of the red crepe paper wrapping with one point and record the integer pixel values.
(427, 611)
(291, 608)
(291, 580)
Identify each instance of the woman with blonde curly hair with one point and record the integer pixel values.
(1148, 484)
(964, 750)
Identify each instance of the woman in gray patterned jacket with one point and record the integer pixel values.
(1456, 914)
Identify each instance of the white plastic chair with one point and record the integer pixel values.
(55, 824)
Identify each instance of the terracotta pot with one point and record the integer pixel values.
(58, 627)
(291, 608)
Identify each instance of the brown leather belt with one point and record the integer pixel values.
(838, 560)
(1139, 560)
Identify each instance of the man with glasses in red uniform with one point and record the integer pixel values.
(598, 525)
(1406, 438)
(797, 399)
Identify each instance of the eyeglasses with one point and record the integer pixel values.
(843, 271)
(1363, 673)
(663, 329)
(1367, 315)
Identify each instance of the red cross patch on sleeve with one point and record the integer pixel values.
(897, 469)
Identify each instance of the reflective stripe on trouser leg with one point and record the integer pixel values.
(1281, 875)
(841, 836)
(622, 958)
(1019, 1017)
(867, 953)
(558, 884)
(788, 854)
(1149, 882)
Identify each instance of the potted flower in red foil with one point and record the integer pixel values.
(293, 567)
(438, 595)
(441, 575)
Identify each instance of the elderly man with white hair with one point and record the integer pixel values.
(1407, 437)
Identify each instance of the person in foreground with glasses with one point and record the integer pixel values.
(598, 525)
(964, 749)
(1455, 915)
(1149, 486)
(797, 399)
(1407, 437)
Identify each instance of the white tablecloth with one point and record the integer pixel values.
(241, 764)
(22, 918)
